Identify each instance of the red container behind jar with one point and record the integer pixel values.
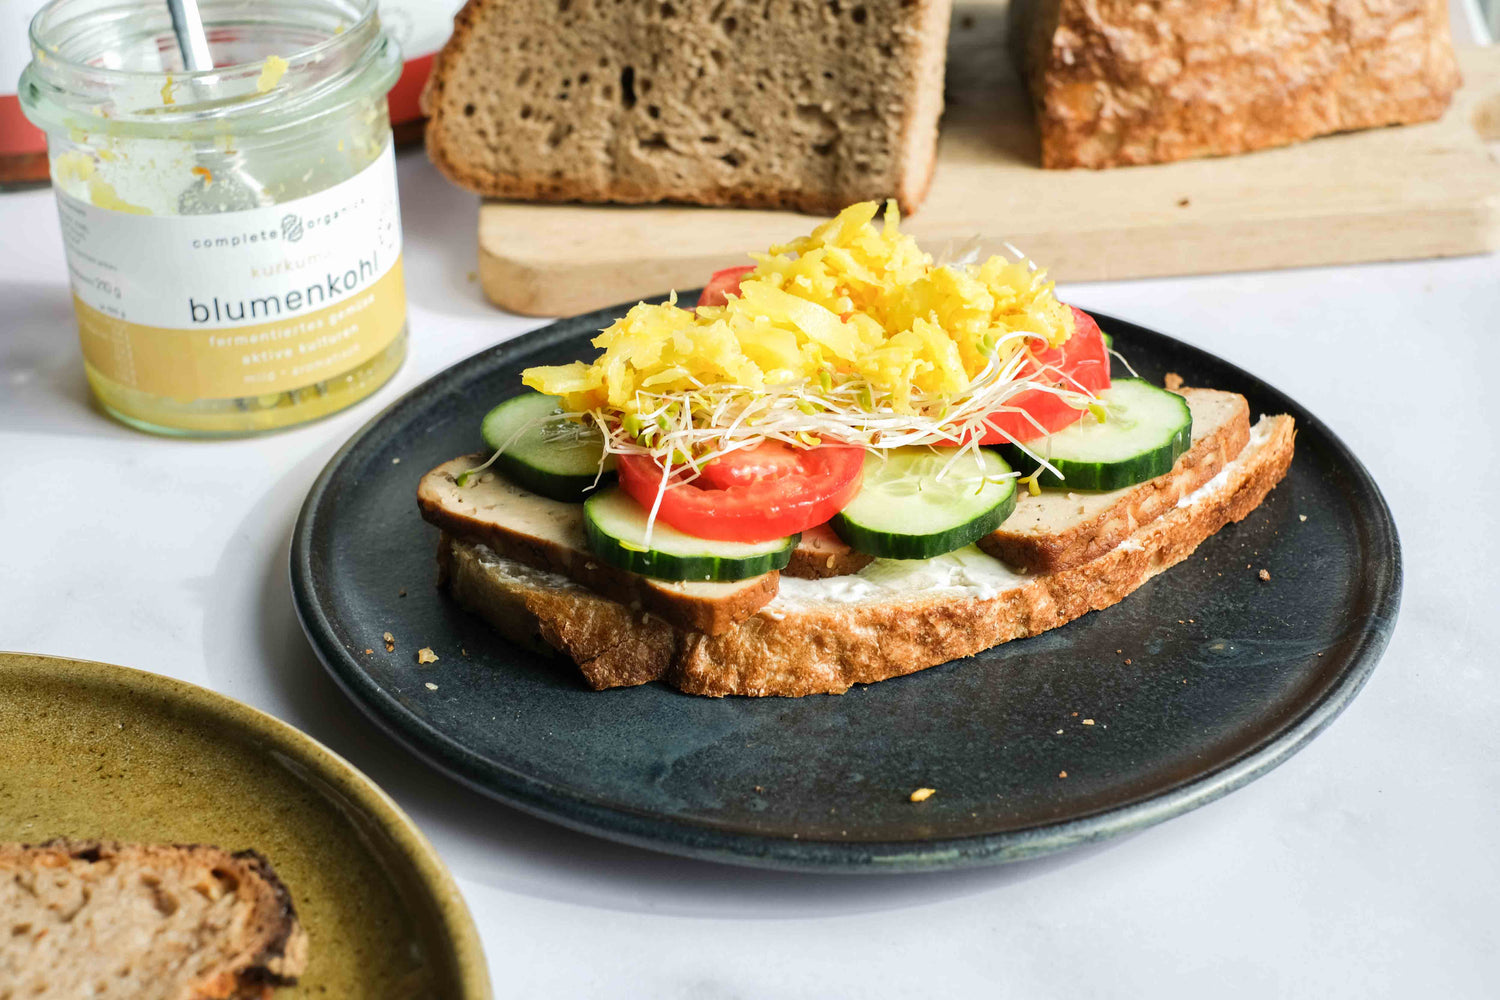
(23, 148)
(419, 26)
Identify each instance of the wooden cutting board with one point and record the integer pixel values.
(1428, 190)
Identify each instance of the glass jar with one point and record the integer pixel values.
(233, 235)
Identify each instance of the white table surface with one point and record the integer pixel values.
(1368, 865)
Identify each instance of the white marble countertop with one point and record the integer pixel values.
(1368, 865)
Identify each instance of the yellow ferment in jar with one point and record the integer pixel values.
(233, 235)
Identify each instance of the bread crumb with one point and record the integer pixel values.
(401, 592)
(1075, 715)
(922, 794)
(1265, 575)
(1302, 517)
(430, 686)
(1088, 722)
(390, 642)
(395, 461)
(462, 651)
(425, 655)
(1172, 381)
(759, 789)
(1062, 774)
(1127, 661)
(1059, 732)
(369, 652)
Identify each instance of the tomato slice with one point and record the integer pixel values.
(754, 495)
(1082, 358)
(767, 460)
(722, 285)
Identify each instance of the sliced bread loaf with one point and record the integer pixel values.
(143, 922)
(770, 103)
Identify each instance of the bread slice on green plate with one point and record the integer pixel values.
(114, 921)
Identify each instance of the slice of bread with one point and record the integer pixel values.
(1120, 82)
(135, 921)
(891, 618)
(548, 535)
(767, 104)
(1058, 530)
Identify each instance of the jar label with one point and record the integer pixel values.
(237, 304)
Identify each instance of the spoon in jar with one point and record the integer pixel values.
(229, 188)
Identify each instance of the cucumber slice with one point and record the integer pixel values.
(544, 451)
(1144, 432)
(616, 528)
(903, 511)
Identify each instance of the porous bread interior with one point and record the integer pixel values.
(773, 103)
(130, 921)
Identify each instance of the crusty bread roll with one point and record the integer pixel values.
(1120, 82)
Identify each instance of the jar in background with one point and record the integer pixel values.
(420, 27)
(233, 235)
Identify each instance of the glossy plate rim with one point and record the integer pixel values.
(654, 832)
(358, 788)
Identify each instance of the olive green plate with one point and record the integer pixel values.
(92, 750)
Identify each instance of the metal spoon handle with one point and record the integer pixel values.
(187, 23)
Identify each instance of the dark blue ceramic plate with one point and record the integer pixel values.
(1200, 681)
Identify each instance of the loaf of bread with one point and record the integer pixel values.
(144, 922)
(1125, 81)
(801, 104)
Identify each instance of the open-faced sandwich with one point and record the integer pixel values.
(844, 464)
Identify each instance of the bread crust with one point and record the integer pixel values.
(900, 122)
(825, 649)
(272, 950)
(1117, 82)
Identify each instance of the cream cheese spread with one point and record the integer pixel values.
(1259, 434)
(966, 573)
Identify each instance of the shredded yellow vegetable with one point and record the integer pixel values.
(851, 304)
